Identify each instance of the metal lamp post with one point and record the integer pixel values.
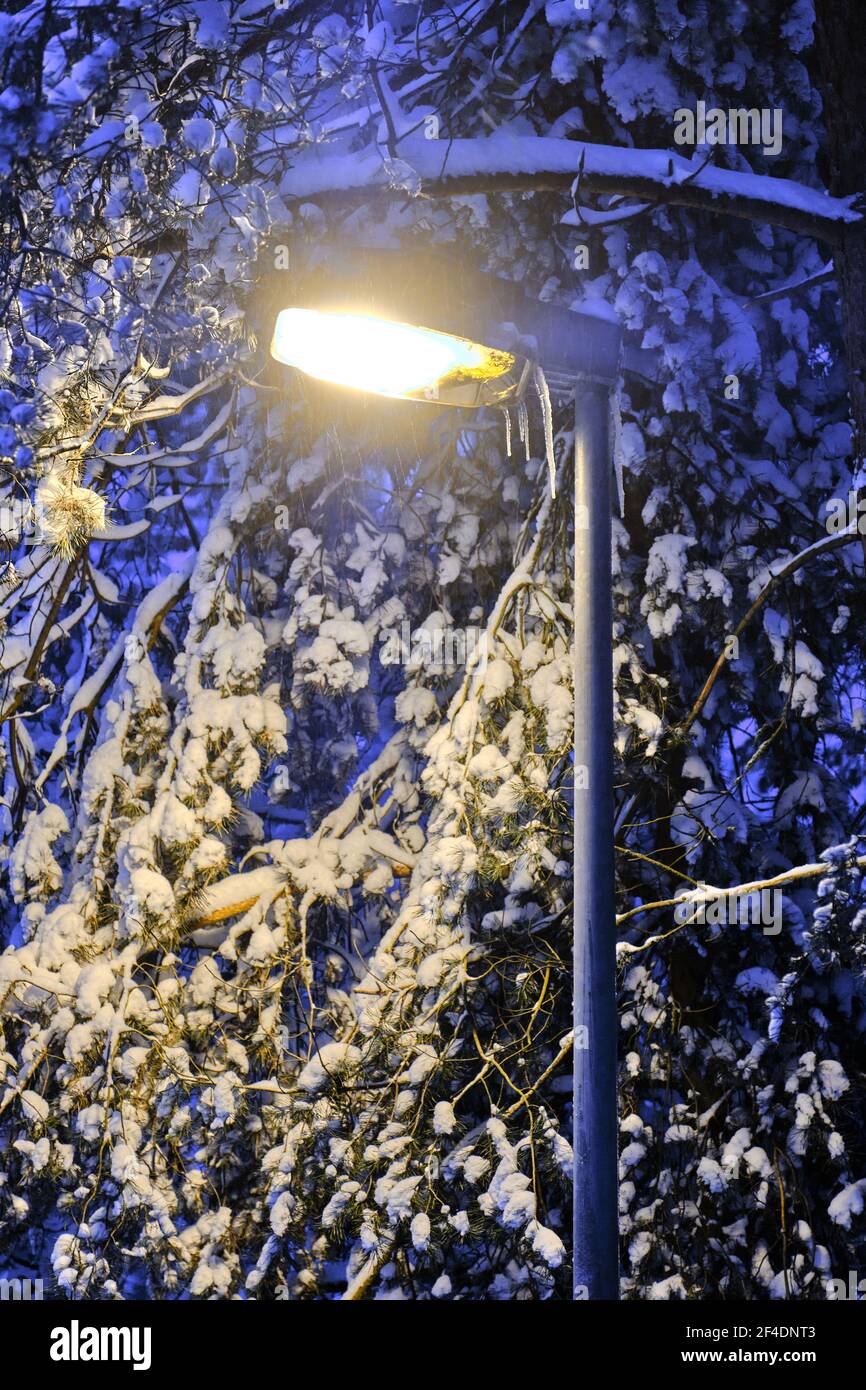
(596, 1231)
(382, 296)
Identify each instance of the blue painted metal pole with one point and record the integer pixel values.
(596, 1263)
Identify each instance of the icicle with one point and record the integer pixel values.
(523, 427)
(616, 421)
(507, 432)
(540, 381)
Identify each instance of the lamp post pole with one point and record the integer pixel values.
(595, 1229)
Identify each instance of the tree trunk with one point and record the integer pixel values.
(841, 78)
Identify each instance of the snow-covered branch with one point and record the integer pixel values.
(507, 163)
(697, 896)
(781, 569)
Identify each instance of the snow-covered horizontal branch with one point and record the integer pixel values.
(510, 163)
(696, 897)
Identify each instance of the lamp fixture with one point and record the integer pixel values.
(368, 353)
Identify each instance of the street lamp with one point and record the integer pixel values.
(399, 360)
(363, 325)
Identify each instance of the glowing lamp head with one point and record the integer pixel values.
(385, 358)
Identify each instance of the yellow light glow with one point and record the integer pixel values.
(378, 355)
